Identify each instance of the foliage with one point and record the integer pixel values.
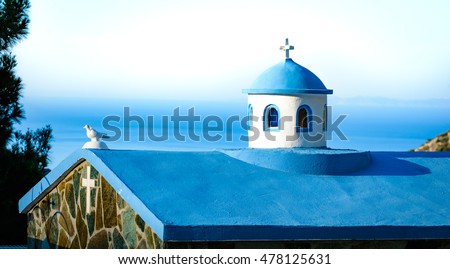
(14, 22)
(23, 155)
(11, 110)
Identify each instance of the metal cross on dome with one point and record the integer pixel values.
(287, 48)
(88, 182)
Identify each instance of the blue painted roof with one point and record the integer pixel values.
(187, 196)
(313, 161)
(288, 77)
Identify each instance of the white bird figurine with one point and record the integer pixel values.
(93, 134)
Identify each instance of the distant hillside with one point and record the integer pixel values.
(439, 143)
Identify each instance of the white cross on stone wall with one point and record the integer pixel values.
(88, 183)
(287, 48)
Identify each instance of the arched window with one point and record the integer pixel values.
(304, 119)
(324, 118)
(250, 116)
(271, 117)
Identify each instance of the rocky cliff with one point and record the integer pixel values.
(439, 143)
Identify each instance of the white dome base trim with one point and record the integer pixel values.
(95, 145)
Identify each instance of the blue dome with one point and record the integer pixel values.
(288, 77)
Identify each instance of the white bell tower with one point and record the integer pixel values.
(287, 105)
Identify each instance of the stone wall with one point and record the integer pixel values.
(61, 219)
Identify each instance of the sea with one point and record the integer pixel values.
(147, 124)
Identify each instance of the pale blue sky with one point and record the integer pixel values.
(211, 50)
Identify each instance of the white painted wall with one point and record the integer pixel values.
(287, 136)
